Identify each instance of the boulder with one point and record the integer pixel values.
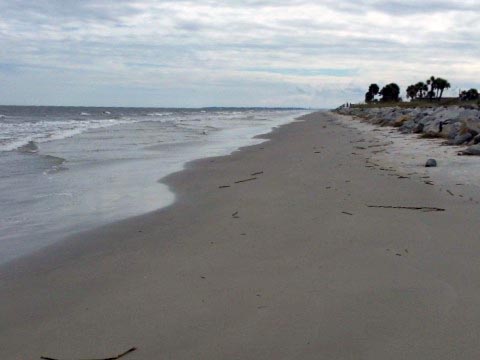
(431, 163)
(476, 140)
(407, 127)
(462, 138)
(401, 120)
(473, 132)
(452, 129)
(431, 135)
(418, 129)
(471, 150)
(473, 124)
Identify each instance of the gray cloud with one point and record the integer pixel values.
(121, 52)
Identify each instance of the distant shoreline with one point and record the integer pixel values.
(167, 107)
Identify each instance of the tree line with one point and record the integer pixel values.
(431, 89)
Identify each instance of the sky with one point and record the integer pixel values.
(230, 53)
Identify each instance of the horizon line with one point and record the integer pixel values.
(172, 107)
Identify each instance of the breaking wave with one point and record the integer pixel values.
(23, 136)
(30, 147)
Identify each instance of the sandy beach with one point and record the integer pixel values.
(283, 250)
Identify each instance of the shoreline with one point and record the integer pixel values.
(293, 264)
(74, 243)
(126, 195)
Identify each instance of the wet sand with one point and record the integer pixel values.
(291, 264)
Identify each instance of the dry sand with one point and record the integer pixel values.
(409, 152)
(291, 265)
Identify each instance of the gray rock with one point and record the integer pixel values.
(407, 126)
(471, 150)
(462, 139)
(452, 130)
(417, 129)
(431, 163)
(473, 132)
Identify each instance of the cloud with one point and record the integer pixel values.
(205, 52)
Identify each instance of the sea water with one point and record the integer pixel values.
(68, 169)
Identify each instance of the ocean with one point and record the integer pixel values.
(68, 169)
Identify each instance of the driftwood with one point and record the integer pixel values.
(378, 145)
(421, 208)
(346, 213)
(242, 181)
(109, 358)
(257, 173)
(224, 186)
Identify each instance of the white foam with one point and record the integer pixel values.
(160, 114)
(15, 135)
(116, 188)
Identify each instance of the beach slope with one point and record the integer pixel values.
(280, 251)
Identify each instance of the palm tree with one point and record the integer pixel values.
(412, 92)
(441, 85)
(432, 82)
(471, 94)
(390, 92)
(369, 97)
(422, 89)
(374, 89)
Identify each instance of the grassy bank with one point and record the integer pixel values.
(419, 104)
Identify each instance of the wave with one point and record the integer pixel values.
(55, 169)
(160, 114)
(56, 164)
(55, 159)
(16, 136)
(31, 147)
(42, 196)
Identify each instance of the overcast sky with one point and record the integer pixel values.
(230, 53)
